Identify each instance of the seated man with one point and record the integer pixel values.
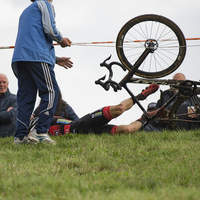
(160, 125)
(167, 94)
(97, 122)
(8, 109)
(154, 125)
(164, 97)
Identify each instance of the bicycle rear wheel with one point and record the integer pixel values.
(179, 116)
(167, 39)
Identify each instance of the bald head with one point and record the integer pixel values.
(179, 76)
(3, 84)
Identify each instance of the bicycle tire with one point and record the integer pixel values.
(168, 55)
(179, 118)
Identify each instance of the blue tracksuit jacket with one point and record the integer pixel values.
(38, 27)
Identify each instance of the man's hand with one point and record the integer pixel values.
(191, 112)
(66, 42)
(32, 116)
(65, 62)
(10, 108)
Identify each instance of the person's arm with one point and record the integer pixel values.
(160, 101)
(49, 23)
(7, 115)
(71, 113)
(158, 104)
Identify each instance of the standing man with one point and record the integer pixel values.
(33, 63)
(8, 109)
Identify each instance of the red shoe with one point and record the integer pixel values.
(158, 113)
(149, 90)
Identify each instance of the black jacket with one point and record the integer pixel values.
(8, 119)
(164, 97)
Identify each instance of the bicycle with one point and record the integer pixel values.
(158, 45)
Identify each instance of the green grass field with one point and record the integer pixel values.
(138, 166)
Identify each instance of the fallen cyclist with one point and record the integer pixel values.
(97, 121)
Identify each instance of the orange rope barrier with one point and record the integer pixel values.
(108, 42)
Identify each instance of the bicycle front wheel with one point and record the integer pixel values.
(165, 38)
(185, 113)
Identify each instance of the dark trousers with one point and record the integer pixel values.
(35, 77)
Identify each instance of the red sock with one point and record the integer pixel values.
(114, 130)
(106, 113)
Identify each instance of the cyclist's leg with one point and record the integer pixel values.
(117, 110)
(131, 128)
(125, 105)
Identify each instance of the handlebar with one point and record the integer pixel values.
(106, 85)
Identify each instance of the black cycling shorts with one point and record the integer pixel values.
(94, 122)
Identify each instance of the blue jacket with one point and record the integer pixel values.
(8, 119)
(70, 113)
(36, 33)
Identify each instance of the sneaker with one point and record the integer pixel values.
(42, 137)
(24, 141)
(158, 113)
(149, 90)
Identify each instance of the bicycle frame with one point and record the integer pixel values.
(188, 89)
(137, 64)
